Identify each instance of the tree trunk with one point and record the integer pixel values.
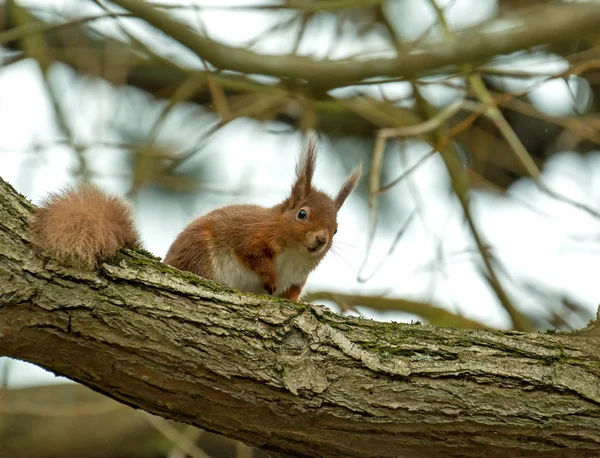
(294, 380)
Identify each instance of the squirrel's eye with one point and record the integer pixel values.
(302, 214)
(335, 232)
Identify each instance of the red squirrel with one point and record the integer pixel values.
(247, 247)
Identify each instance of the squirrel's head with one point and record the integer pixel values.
(311, 215)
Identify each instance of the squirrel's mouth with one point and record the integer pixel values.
(315, 249)
(317, 244)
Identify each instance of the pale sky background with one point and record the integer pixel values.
(530, 245)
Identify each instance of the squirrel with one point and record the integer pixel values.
(247, 247)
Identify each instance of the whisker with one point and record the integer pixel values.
(339, 256)
(337, 246)
(342, 242)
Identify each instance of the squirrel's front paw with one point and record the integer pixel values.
(270, 285)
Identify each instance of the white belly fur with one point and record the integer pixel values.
(291, 266)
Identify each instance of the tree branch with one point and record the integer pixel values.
(434, 315)
(292, 379)
(553, 24)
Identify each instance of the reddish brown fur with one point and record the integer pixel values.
(294, 292)
(322, 216)
(305, 169)
(85, 226)
(257, 235)
(82, 227)
(249, 231)
(348, 186)
(192, 249)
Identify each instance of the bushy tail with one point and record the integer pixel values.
(83, 227)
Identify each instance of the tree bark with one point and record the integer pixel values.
(292, 379)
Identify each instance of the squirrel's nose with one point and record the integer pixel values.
(321, 240)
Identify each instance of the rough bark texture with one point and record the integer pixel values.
(293, 379)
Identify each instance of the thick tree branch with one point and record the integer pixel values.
(119, 63)
(553, 24)
(292, 379)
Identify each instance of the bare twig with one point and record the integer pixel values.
(460, 184)
(178, 439)
(192, 434)
(391, 250)
(378, 152)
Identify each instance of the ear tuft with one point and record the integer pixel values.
(348, 186)
(305, 169)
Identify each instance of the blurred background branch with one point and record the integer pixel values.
(69, 421)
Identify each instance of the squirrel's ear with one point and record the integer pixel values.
(348, 186)
(305, 169)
